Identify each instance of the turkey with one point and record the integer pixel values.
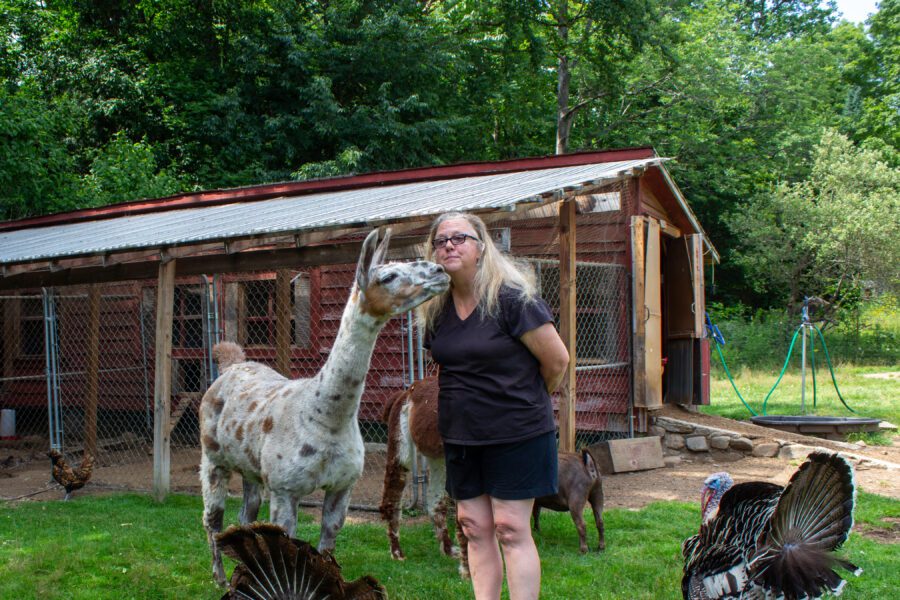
(273, 566)
(762, 541)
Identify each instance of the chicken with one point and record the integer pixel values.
(273, 566)
(71, 479)
(761, 540)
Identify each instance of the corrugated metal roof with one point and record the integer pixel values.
(289, 215)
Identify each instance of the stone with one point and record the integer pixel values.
(741, 444)
(719, 442)
(674, 441)
(794, 451)
(657, 431)
(672, 461)
(766, 449)
(674, 426)
(696, 443)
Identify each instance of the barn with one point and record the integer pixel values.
(108, 314)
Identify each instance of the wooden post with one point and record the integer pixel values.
(638, 310)
(162, 389)
(92, 375)
(283, 322)
(567, 327)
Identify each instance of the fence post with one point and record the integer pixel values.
(162, 390)
(567, 329)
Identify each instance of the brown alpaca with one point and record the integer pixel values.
(411, 416)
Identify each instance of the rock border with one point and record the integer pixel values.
(683, 438)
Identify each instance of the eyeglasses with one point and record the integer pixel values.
(455, 239)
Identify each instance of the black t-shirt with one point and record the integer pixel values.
(491, 388)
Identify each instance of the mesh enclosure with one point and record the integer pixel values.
(78, 361)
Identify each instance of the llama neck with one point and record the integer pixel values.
(342, 378)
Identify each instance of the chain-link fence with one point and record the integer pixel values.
(78, 362)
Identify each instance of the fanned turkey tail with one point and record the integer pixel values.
(795, 556)
(272, 565)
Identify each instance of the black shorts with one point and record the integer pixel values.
(513, 471)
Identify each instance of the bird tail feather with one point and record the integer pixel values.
(813, 518)
(272, 565)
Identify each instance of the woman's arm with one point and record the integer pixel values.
(549, 349)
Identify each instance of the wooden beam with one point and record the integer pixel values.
(283, 322)
(92, 375)
(162, 389)
(261, 260)
(638, 309)
(567, 324)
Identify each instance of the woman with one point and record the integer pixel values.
(500, 357)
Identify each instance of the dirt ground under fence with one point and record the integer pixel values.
(25, 472)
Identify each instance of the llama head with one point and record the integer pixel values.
(388, 289)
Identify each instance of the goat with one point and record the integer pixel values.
(579, 483)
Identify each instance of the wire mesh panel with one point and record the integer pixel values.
(23, 380)
(602, 369)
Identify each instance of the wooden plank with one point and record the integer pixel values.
(623, 456)
(183, 401)
(653, 326)
(567, 324)
(162, 388)
(696, 251)
(92, 376)
(638, 310)
(283, 322)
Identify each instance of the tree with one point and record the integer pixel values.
(828, 235)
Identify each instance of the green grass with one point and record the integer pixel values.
(127, 546)
(869, 397)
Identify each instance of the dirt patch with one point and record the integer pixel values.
(25, 469)
(885, 375)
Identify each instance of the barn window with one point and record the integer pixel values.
(31, 342)
(187, 321)
(189, 376)
(259, 317)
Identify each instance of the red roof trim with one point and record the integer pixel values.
(296, 188)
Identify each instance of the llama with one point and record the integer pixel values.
(411, 417)
(296, 436)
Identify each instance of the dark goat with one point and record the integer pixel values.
(579, 483)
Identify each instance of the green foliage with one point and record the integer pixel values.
(832, 231)
(124, 170)
(228, 93)
(868, 334)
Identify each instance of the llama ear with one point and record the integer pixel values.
(381, 251)
(366, 259)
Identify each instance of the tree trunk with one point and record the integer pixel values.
(563, 79)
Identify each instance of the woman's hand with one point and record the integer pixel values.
(546, 345)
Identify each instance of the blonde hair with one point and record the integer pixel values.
(495, 270)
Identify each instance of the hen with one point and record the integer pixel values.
(71, 479)
(760, 540)
(273, 566)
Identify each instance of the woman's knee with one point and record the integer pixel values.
(476, 529)
(511, 532)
